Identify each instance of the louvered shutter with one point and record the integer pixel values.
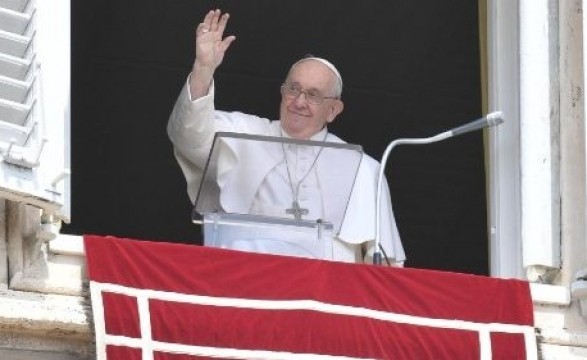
(35, 103)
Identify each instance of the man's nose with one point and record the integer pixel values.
(301, 99)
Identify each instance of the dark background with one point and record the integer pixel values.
(410, 69)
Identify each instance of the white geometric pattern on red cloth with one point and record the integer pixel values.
(227, 309)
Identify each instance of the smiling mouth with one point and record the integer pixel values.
(298, 114)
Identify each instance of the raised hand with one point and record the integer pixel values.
(210, 50)
(210, 46)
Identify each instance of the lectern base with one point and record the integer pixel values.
(254, 233)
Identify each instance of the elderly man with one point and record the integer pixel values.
(311, 98)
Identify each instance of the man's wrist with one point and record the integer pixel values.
(200, 81)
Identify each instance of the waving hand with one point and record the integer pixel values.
(210, 50)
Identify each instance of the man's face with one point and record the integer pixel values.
(300, 118)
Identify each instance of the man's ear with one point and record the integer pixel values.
(335, 110)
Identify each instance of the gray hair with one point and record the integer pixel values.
(329, 65)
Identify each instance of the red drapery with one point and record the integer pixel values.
(164, 301)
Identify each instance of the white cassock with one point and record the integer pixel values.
(264, 186)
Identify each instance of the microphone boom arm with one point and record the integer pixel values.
(377, 256)
(490, 120)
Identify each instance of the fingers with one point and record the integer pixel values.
(226, 42)
(215, 20)
(215, 23)
(222, 23)
(208, 18)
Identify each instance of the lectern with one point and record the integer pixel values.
(237, 170)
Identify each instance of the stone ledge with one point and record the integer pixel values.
(54, 315)
(64, 244)
(563, 337)
(550, 294)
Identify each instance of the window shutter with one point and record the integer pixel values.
(35, 103)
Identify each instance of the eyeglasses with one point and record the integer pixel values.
(312, 96)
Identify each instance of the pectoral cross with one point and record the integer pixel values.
(296, 210)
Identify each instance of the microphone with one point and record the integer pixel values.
(491, 119)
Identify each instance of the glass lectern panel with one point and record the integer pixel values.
(275, 195)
